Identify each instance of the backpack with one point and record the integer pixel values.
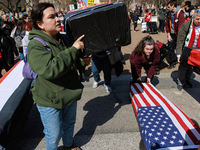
(180, 11)
(18, 41)
(27, 72)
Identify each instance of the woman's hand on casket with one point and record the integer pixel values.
(79, 44)
(139, 79)
(148, 80)
(87, 60)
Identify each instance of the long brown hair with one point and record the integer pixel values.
(20, 25)
(147, 40)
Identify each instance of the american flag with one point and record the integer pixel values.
(163, 125)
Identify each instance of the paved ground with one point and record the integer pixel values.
(107, 121)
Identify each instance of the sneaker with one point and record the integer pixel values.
(108, 88)
(188, 84)
(171, 66)
(179, 87)
(95, 84)
(157, 72)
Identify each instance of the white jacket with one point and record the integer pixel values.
(25, 42)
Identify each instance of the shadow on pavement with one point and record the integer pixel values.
(126, 56)
(100, 110)
(194, 91)
(33, 130)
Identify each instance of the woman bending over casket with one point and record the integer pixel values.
(188, 36)
(145, 55)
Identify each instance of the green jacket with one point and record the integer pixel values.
(182, 34)
(57, 84)
(163, 14)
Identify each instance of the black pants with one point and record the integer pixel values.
(3, 65)
(161, 25)
(171, 57)
(135, 25)
(134, 73)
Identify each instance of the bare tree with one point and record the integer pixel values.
(12, 5)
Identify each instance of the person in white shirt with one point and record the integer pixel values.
(25, 40)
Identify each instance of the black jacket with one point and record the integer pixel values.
(6, 30)
(6, 51)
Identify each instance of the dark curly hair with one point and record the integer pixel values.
(172, 2)
(37, 13)
(147, 40)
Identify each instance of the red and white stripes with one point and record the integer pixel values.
(10, 82)
(146, 95)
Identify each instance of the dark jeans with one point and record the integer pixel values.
(147, 27)
(101, 63)
(3, 65)
(184, 74)
(135, 25)
(171, 57)
(161, 25)
(134, 73)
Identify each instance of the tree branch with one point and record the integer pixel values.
(5, 6)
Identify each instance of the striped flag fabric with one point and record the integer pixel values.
(163, 125)
(14, 104)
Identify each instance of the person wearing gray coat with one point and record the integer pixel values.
(188, 36)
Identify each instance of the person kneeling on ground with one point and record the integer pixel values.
(188, 36)
(145, 55)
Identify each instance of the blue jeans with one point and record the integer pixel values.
(101, 63)
(161, 25)
(58, 123)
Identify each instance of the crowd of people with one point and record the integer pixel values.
(177, 22)
(57, 87)
(14, 30)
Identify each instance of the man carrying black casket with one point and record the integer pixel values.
(188, 36)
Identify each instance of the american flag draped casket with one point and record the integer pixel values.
(15, 105)
(105, 27)
(163, 125)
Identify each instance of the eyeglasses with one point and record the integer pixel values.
(198, 11)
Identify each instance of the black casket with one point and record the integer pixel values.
(105, 27)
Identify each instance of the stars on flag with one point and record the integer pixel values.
(157, 129)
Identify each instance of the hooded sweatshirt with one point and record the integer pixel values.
(57, 84)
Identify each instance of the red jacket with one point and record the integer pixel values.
(177, 23)
(138, 61)
(148, 17)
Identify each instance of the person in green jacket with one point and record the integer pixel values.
(162, 16)
(57, 88)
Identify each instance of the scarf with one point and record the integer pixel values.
(191, 36)
(172, 18)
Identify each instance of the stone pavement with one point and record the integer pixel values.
(107, 121)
